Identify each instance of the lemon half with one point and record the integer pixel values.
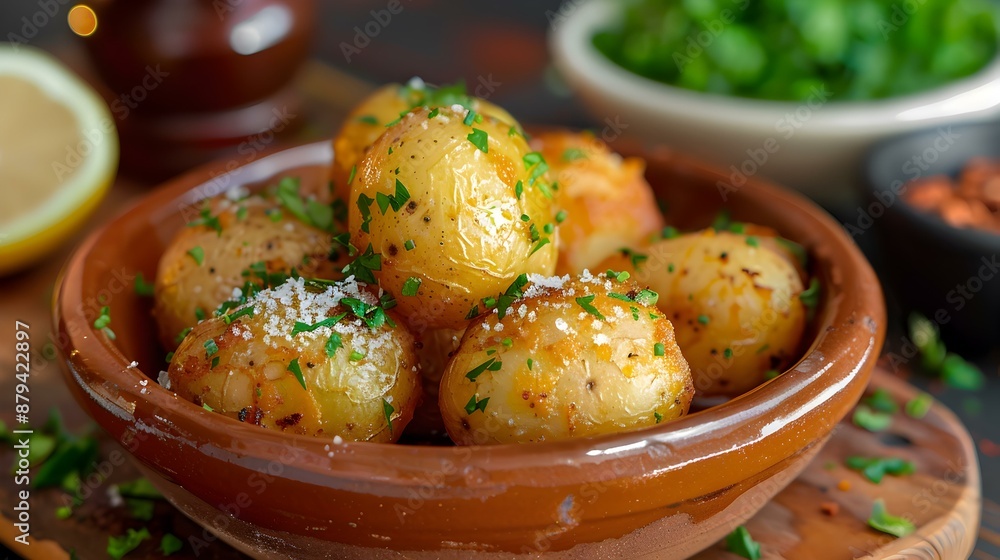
(58, 154)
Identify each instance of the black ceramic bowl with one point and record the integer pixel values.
(951, 275)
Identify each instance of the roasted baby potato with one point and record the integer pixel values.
(734, 303)
(605, 199)
(457, 211)
(368, 120)
(304, 358)
(572, 358)
(221, 251)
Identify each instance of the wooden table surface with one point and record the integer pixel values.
(943, 496)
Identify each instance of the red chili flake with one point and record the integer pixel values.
(989, 448)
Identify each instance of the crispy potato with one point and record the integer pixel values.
(435, 347)
(568, 360)
(607, 202)
(246, 369)
(205, 262)
(368, 120)
(734, 303)
(453, 224)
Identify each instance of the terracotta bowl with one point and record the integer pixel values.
(665, 492)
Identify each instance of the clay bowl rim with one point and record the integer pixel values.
(850, 325)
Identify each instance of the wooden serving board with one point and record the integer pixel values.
(942, 497)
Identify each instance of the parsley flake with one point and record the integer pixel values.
(293, 367)
(479, 139)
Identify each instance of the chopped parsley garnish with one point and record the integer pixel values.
(491, 364)
(102, 322)
(274, 214)
(293, 367)
(207, 219)
(587, 303)
(364, 206)
(169, 357)
(771, 374)
(411, 286)
(118, 547)
(473, 313)
(356, 356)
(647, 297)
(241, 213)
(881, 520)
(395, 201)
(350, 178)
(308, 212)
(333, 344)
(737, 227)
(245, 312)
(199, 314)
(619, 276)
(368, 119)
(537, 161)
(721, 221)
(434, 112)
(142, 287)
(387, 410)
(727, 353)
(740, 542)
(470, 117)
(479, 139)
(875, 468)
(658, 417)
(670, 232)
(919, 406)
(363, 265)
(373, 315)
(871, 420)
(810, 297)
(519, 189)
(474, 405)
(659, 349)
(636, 258)
(507, 342)
(170, 544)
(531, 364)
(409, 245)
(198, 254)
(703, 319)
(560, 216)
(301, 327)
(211, 348)
(215, 362)
(503, 301)
(573, 154)
(541, 243)
(752, 241)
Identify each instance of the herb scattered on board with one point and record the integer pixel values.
(740, 542)
(875, 468)
(118, 547)
(954, 370)
(881, 520)
(871, 420)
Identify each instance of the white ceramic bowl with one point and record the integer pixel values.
(816, 147)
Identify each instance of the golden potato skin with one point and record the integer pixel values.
(606, 198)
(734, 303)
(252, 380)
(368, 120)
(184, 286)
(587, 376)
(471, 234)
